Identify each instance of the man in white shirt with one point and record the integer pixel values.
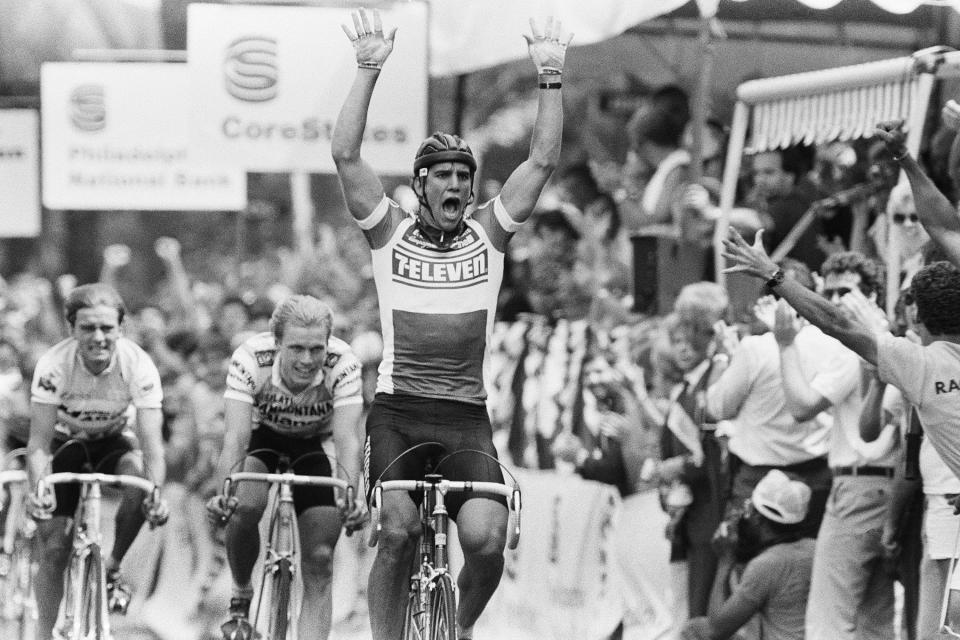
(851, 596)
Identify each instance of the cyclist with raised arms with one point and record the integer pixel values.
(81, 392)
(293, 391)
(438, 272)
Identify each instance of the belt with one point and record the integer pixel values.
(886, 472)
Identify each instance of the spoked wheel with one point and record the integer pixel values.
(415, 618)
(443, 607)
(280, 600)
(93, 605)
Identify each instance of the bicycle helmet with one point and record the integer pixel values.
(443, 147)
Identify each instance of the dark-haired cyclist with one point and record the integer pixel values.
(438, 272)
(81, 392)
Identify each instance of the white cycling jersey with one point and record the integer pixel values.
(93, 406)
(254, 377)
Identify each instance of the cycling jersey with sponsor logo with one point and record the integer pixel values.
(437, 303)
(254, 377)
(93, 406)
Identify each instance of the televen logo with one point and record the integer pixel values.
(250, 69)
(88, 112)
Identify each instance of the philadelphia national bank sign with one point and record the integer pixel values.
(115, 136)
(267, 83)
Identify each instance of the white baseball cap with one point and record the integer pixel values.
(781, 499)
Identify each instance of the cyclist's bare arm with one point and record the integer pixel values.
(150, 432)
(345, 438)
(547, 48)
(238, 424)
(361, 185)
(43, 421)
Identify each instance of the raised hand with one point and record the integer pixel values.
(116, 255)
(167, 249)
(370, 44)
(786, 324)
(548, 48)
(865, 311)
(894, 137)
(752, 260)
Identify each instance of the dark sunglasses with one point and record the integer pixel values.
(900, 218)
(839, 291)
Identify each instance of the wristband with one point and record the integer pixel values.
(775, 279)
(550, 85)
(368, 65)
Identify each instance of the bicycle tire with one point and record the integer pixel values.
(443, 609)
(92, 597)
(415, 616)
(22, 595)
(281, 579)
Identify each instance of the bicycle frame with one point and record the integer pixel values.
(280, 559)
(83, 610)
(18, 603)
(432, 600)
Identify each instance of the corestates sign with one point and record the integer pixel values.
(19, 173)
(267, 83)
(115, 137)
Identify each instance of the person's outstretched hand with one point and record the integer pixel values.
(893, 136)
(548, 48)
(750, 259)
(370, 44)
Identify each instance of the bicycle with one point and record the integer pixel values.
(280, 556)
(431, 603)
(84, 613)
(18, 607)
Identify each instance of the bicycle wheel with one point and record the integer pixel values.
(416, 616)
(91, 600)
(280, 581)
(21, 592)
(443, 605)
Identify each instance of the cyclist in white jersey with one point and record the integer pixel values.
(294, 391)
(438, 272)
(82, 389)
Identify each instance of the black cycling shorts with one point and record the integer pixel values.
(85, 456)
(307, 457)
(396, 423)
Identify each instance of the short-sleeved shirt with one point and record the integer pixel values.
(94, 406)
(437, 303)
(777, 581)
(929, 377)
(254, 378)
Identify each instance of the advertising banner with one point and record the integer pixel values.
(268, 82)
(115, 136)
(19, 173)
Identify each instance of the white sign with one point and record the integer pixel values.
(19, 173)
(267, 84)
(115, 137)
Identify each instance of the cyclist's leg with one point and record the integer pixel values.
(243, 529)
(388, 585)
(53, 554)
(481, 525)
(319, 530)
(130, 517)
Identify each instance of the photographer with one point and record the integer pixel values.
(776, 580)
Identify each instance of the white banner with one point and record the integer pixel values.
(268, 82)
(115, 137)
(19, 173)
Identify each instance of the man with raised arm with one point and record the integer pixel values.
(438, 271)
(926, 373)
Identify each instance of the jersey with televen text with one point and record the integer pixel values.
(254, 377)
(437, 304)
(93, 406)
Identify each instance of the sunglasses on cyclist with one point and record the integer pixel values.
(900, 218)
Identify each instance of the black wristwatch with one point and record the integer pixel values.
(776, 279)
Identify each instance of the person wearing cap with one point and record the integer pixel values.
(776, 580)
(438, 272)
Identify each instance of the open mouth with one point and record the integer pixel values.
(451, 206)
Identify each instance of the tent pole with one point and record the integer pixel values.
(731, 173)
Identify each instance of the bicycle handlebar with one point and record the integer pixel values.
(119, 481)
(283, 478)
(446, 486)
(12, 476)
